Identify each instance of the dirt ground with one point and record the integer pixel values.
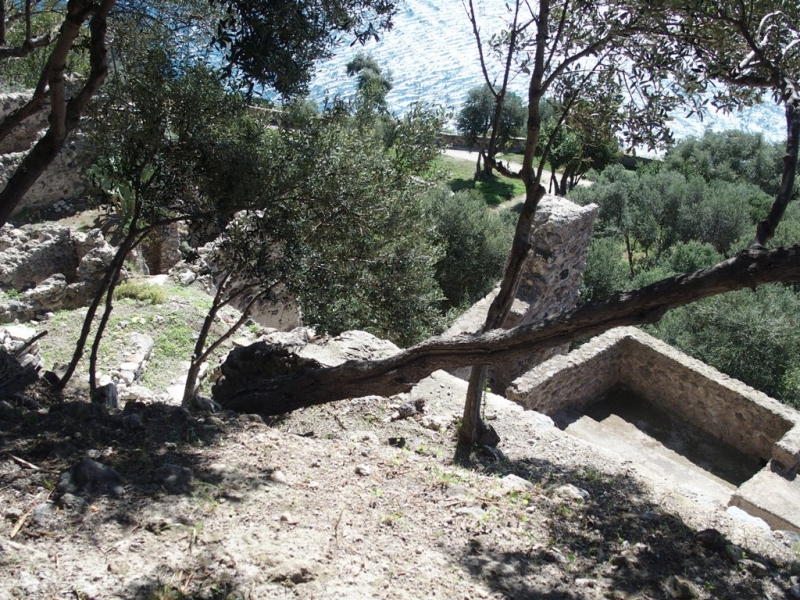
(350, 501)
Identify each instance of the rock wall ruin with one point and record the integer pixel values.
(49, 268)
(562, 233)
(63, 179)
(723, 407)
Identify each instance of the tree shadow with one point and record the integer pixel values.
(495, 190)
(461, 183)
(153, 447)
(616, 544)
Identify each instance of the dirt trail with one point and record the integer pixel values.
(351, 501)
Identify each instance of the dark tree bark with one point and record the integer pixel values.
(766, 228)
(222, 298)
(64, 115)
(37, 102)
(311, 384)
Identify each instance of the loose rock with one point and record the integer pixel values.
(173, 478)
(92, 478)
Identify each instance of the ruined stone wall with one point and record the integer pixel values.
(63, 179)
(21, 138)
(161, 248)
(571, 381)
(50, 267)
(723, 407)
(550, 283)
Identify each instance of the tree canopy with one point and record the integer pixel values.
(476, 117)
(267, 43)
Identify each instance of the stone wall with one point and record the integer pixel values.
(279, 310)
(21, 138)
(723, 407)
(63, 179)
(550, 282)
(49, 268)
(161, 248)
(571, 381)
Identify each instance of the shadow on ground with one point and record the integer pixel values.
(613, 543)
(495, 189)
(152, 448)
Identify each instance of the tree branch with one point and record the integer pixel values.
(25, 48)
(64, 117)
(766, 227)
(313, 385)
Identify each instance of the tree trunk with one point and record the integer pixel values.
(629, 252)
(563, 184)
(471, 424)
(766, 228)
(116, 264)
(64, 116)
(311, 385)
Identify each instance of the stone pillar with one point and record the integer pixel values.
(550, 282)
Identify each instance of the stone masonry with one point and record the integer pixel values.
(724, 408)
(550, 282)
(50, 268)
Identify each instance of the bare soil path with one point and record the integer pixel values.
(351, 501)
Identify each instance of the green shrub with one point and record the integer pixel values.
(140, 291)
(475, 241)
(606, 270)
(749, 334)
(693, 256)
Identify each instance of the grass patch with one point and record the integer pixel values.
(173, 326)
(496, 189)
(141, 291)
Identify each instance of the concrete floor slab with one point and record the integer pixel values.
(773, 498)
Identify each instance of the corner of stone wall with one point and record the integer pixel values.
(550, 283)
(725, 408)
(572, 381)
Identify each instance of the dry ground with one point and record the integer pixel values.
(343, 501)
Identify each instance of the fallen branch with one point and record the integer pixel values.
(311, 384)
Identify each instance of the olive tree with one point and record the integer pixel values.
(567, 44)
(476, 118)
(269, 43)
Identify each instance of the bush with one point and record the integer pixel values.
(606, 270)
(475, 241)
(693, 256)
(720, 217)
(749, 334)
(140, 291)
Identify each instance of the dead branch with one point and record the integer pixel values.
(311, 384)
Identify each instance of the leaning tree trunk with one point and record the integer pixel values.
(110, 274)
(766, 228)
(293, 382)
(472, 427)
(64, 115)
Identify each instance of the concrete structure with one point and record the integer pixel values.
(726, 409)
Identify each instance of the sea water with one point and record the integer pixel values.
(432, 57)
